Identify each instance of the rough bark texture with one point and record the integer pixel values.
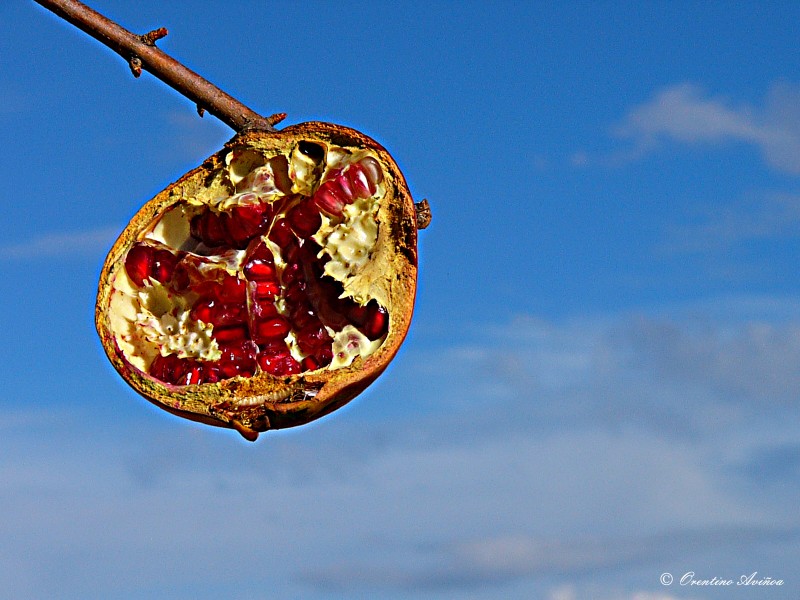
(141, 54)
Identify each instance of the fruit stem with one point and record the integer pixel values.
(142, 54)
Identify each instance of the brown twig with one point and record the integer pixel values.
(142, 54)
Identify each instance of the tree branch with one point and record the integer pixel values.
(142, 54)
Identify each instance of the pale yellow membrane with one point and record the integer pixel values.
(164, 321)
(350, 343)
(152, 320)
(350, 242)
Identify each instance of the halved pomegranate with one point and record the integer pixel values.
(267, 287)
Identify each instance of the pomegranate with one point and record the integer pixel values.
(267, 287)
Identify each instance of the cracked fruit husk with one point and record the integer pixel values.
(267, 287)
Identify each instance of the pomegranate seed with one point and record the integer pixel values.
(270, 329)
(311, 251)
(163, 266)
(313, 336)
(246, 222)
(265, 290)
(376, 323)
(259, 269)
(169, 369)
(327, 198)
(158, 367)
(229, 334)
(238, 359)
(239, 237)
(281, 234)
(295, 294)
(274, 348)
(202, 311)
(281, 365)
(228, 370)
(138, 263)
(304, 219)
(193, 375)
(358, 181)
(180, 278)
(232, 290)
(228, 314)
(310, 363)
(261, 252)
(292, 252)
(293, 272)
(347, 190)
(324, 356)
(206, 289)
(357, 314)
(268, 357)
(373, 172)
(324, 296)
(196, 226)
(209, 229)
(302, 315)
(202, 229)
(259, 213)
(262, 310)
(258, 180)
(211, 373)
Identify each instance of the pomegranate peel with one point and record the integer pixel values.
(267, 287)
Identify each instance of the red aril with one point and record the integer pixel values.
(138, 263)
(163, 265)
(232, 290)
(304, 218)
(281, 233)
(376, 320)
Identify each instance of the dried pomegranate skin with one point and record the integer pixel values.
(262, 402)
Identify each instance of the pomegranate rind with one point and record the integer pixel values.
(263, 402)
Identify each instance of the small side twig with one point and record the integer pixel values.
(141, 53)
(151, 37)
(276, 118)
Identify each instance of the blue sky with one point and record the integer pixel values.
(601, 381)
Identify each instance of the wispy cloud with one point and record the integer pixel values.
(572, 592)
(498, 560)
(720, 228)
(61, 244)
(688, 114)
(540, 455)
(685, 113)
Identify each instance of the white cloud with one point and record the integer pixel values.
(562, 592)
(549, 456)
(687, 114)
(572, 592)
(720, 228)
(64, 244)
